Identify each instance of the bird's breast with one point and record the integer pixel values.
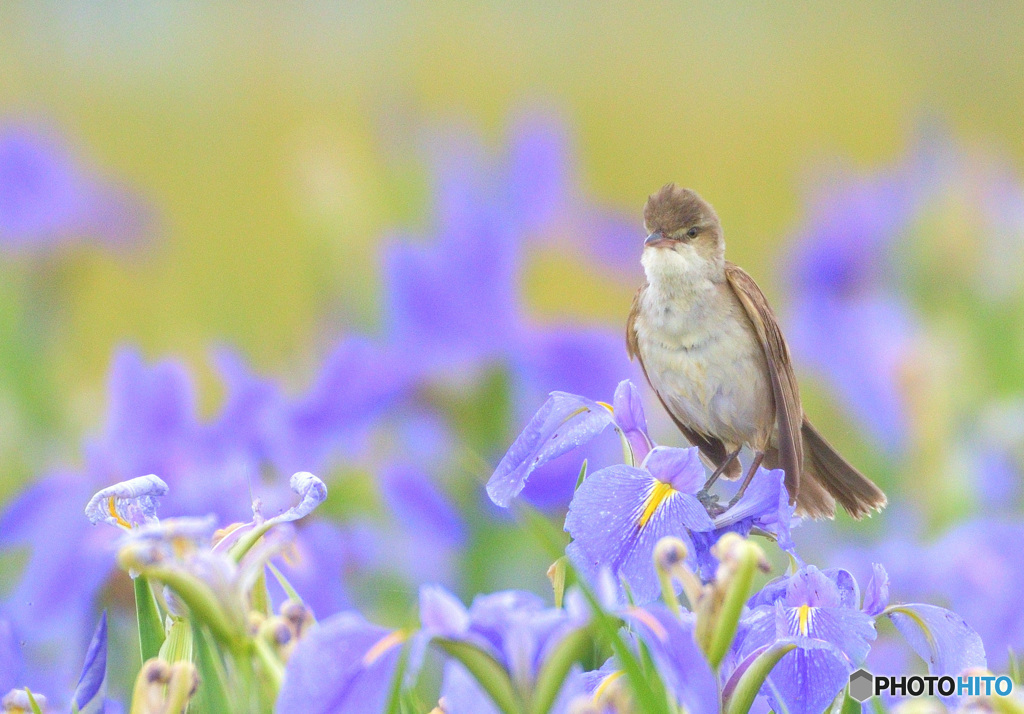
(704, 359)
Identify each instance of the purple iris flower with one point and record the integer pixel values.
(47, 198)
(847, 321)
(211, 467)
(514, 627)
(975, 568)
(564, 423)
(343, 664)
(822, 611)
(621, 512)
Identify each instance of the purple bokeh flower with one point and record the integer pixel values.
(344, 664)
(48, 199)
(516, 628)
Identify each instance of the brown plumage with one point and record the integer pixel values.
(711, 347)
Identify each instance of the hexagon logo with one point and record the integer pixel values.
(862, 685)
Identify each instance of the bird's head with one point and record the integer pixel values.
(684, 236)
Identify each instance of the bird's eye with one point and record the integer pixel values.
(692, 233)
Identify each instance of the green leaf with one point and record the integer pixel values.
(32, 702)
(489, 674)
(212, 695)
(259, 597)
(746, 681)
(647, 695)
(1013, 666)
(178, 645)
(582, 476)
(395, 698)
(574, 647)
(203, 605)
(556, 574)
(151, 625)
(289, 590)
(850, 705)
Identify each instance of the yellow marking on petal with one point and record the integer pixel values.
(605, 683)
(383, 645)
(222, 533)
(804, 612)
(112, 505)
(659, 493)
(607, 406)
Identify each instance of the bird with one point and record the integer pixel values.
(712, 350)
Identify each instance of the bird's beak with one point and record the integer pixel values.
(656, 239)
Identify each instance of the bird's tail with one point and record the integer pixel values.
(823, 464)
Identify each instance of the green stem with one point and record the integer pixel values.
(272, 666)
(736, 594)
(203, 605)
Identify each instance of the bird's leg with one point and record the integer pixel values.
(758, 458)
(721, 469)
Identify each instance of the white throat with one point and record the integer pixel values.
(679, 270)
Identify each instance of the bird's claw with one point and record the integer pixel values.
(710, 502)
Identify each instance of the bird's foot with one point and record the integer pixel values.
(710, 502)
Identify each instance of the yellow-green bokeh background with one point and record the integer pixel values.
(275, 140)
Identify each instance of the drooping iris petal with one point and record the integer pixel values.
(313, 492)
(91, 692)
(764, 505)
(462, 694)
(343, 665)
(127, 504)
(629, 417)
(876, 595)
(946, 643)
(441, 613)
(564, 422)
(617, 517)
(679, 660)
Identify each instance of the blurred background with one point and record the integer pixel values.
(246, 239)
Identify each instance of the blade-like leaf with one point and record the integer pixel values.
(746, 681)
(574, 647)
(489, 674)
(32, 702)
(395, 698)
(151, 625)
(212, 695)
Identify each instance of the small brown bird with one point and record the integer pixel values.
(713, 352)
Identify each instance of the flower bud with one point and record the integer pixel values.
(300, 616)
(669, 553)
(17, 700)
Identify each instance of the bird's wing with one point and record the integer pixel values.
(712, 449)
(788, 411)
